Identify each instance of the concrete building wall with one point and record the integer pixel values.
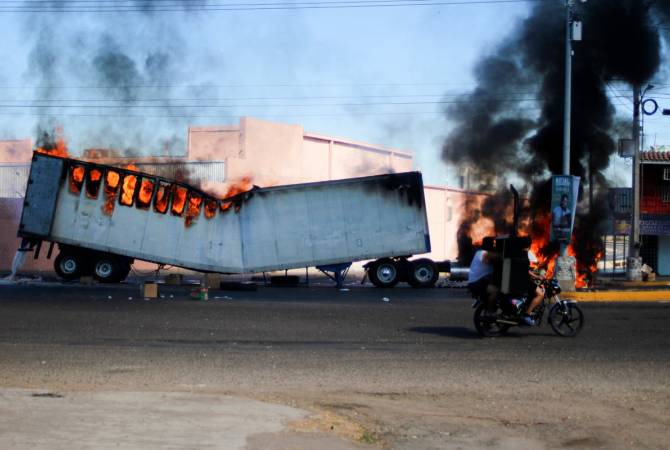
(16, 151)
(276, 153)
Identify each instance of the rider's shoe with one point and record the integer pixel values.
(528, 321)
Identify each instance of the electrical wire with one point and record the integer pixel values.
(196, 116)
(101, 6)
(265, 105)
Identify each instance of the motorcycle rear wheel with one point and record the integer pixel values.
(488, 327)
(566, 319)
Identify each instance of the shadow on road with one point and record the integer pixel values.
(458, 332)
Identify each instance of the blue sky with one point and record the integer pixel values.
(312, 67)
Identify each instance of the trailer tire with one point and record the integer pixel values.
(423, 273)
(107, 269)
(384, 273)
(68, 266)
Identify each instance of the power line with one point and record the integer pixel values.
(232, 85)
(268, 105)
(500, 95)
(100, 6)
(196, 116)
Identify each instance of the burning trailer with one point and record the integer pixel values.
(103, 218)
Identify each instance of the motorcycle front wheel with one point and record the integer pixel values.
(488, 327)
(566, 319)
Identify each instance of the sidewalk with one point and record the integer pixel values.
(39, 419)
(621, 290)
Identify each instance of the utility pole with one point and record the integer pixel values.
(565, 264)
(567, 110)
(634, 263)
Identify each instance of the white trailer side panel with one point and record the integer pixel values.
(268, 229)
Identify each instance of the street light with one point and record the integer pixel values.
(634, 263)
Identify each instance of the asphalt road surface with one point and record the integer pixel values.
(398, 368)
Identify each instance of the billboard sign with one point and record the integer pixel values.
(564, 192)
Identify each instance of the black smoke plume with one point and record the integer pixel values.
(513, 125)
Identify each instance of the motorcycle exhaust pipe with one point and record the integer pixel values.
(507, 322)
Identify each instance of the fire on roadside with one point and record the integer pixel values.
(547, 252)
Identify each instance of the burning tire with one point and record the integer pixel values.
(68, 266)
(384, 273)
(423, 273)
(107, 269)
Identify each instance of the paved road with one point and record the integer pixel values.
(345, 352)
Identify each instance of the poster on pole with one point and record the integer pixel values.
(564, 192)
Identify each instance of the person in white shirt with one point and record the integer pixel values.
(481, 270)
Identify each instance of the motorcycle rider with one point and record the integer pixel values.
(535, 291)
(480, 275)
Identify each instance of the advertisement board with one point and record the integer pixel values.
(564, 192)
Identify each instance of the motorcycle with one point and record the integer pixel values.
(565, 317)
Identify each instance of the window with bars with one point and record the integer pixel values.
(666, 173)
(623, 201)
(665, 195)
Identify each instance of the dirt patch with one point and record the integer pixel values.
(534, 417)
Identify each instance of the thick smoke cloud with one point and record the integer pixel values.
(502, 132)
(113, 59)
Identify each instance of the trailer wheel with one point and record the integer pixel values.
(106, 269)
(68, 266)
(423, 273)
(383, 273)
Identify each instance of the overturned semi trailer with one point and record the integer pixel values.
(103, 217)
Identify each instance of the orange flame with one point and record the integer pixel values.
(144, 195)
(76, 178)
(128, 189)
(210, 208)
(57, 147)
(547, 253)
(178, 199)
(243, 185)
(162, 198)
(93, 183)
(111, 189)
(193, 208)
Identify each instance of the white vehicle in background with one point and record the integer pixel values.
(103, 217)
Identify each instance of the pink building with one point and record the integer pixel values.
(268, 153)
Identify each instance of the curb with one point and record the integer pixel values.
(620, 296)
